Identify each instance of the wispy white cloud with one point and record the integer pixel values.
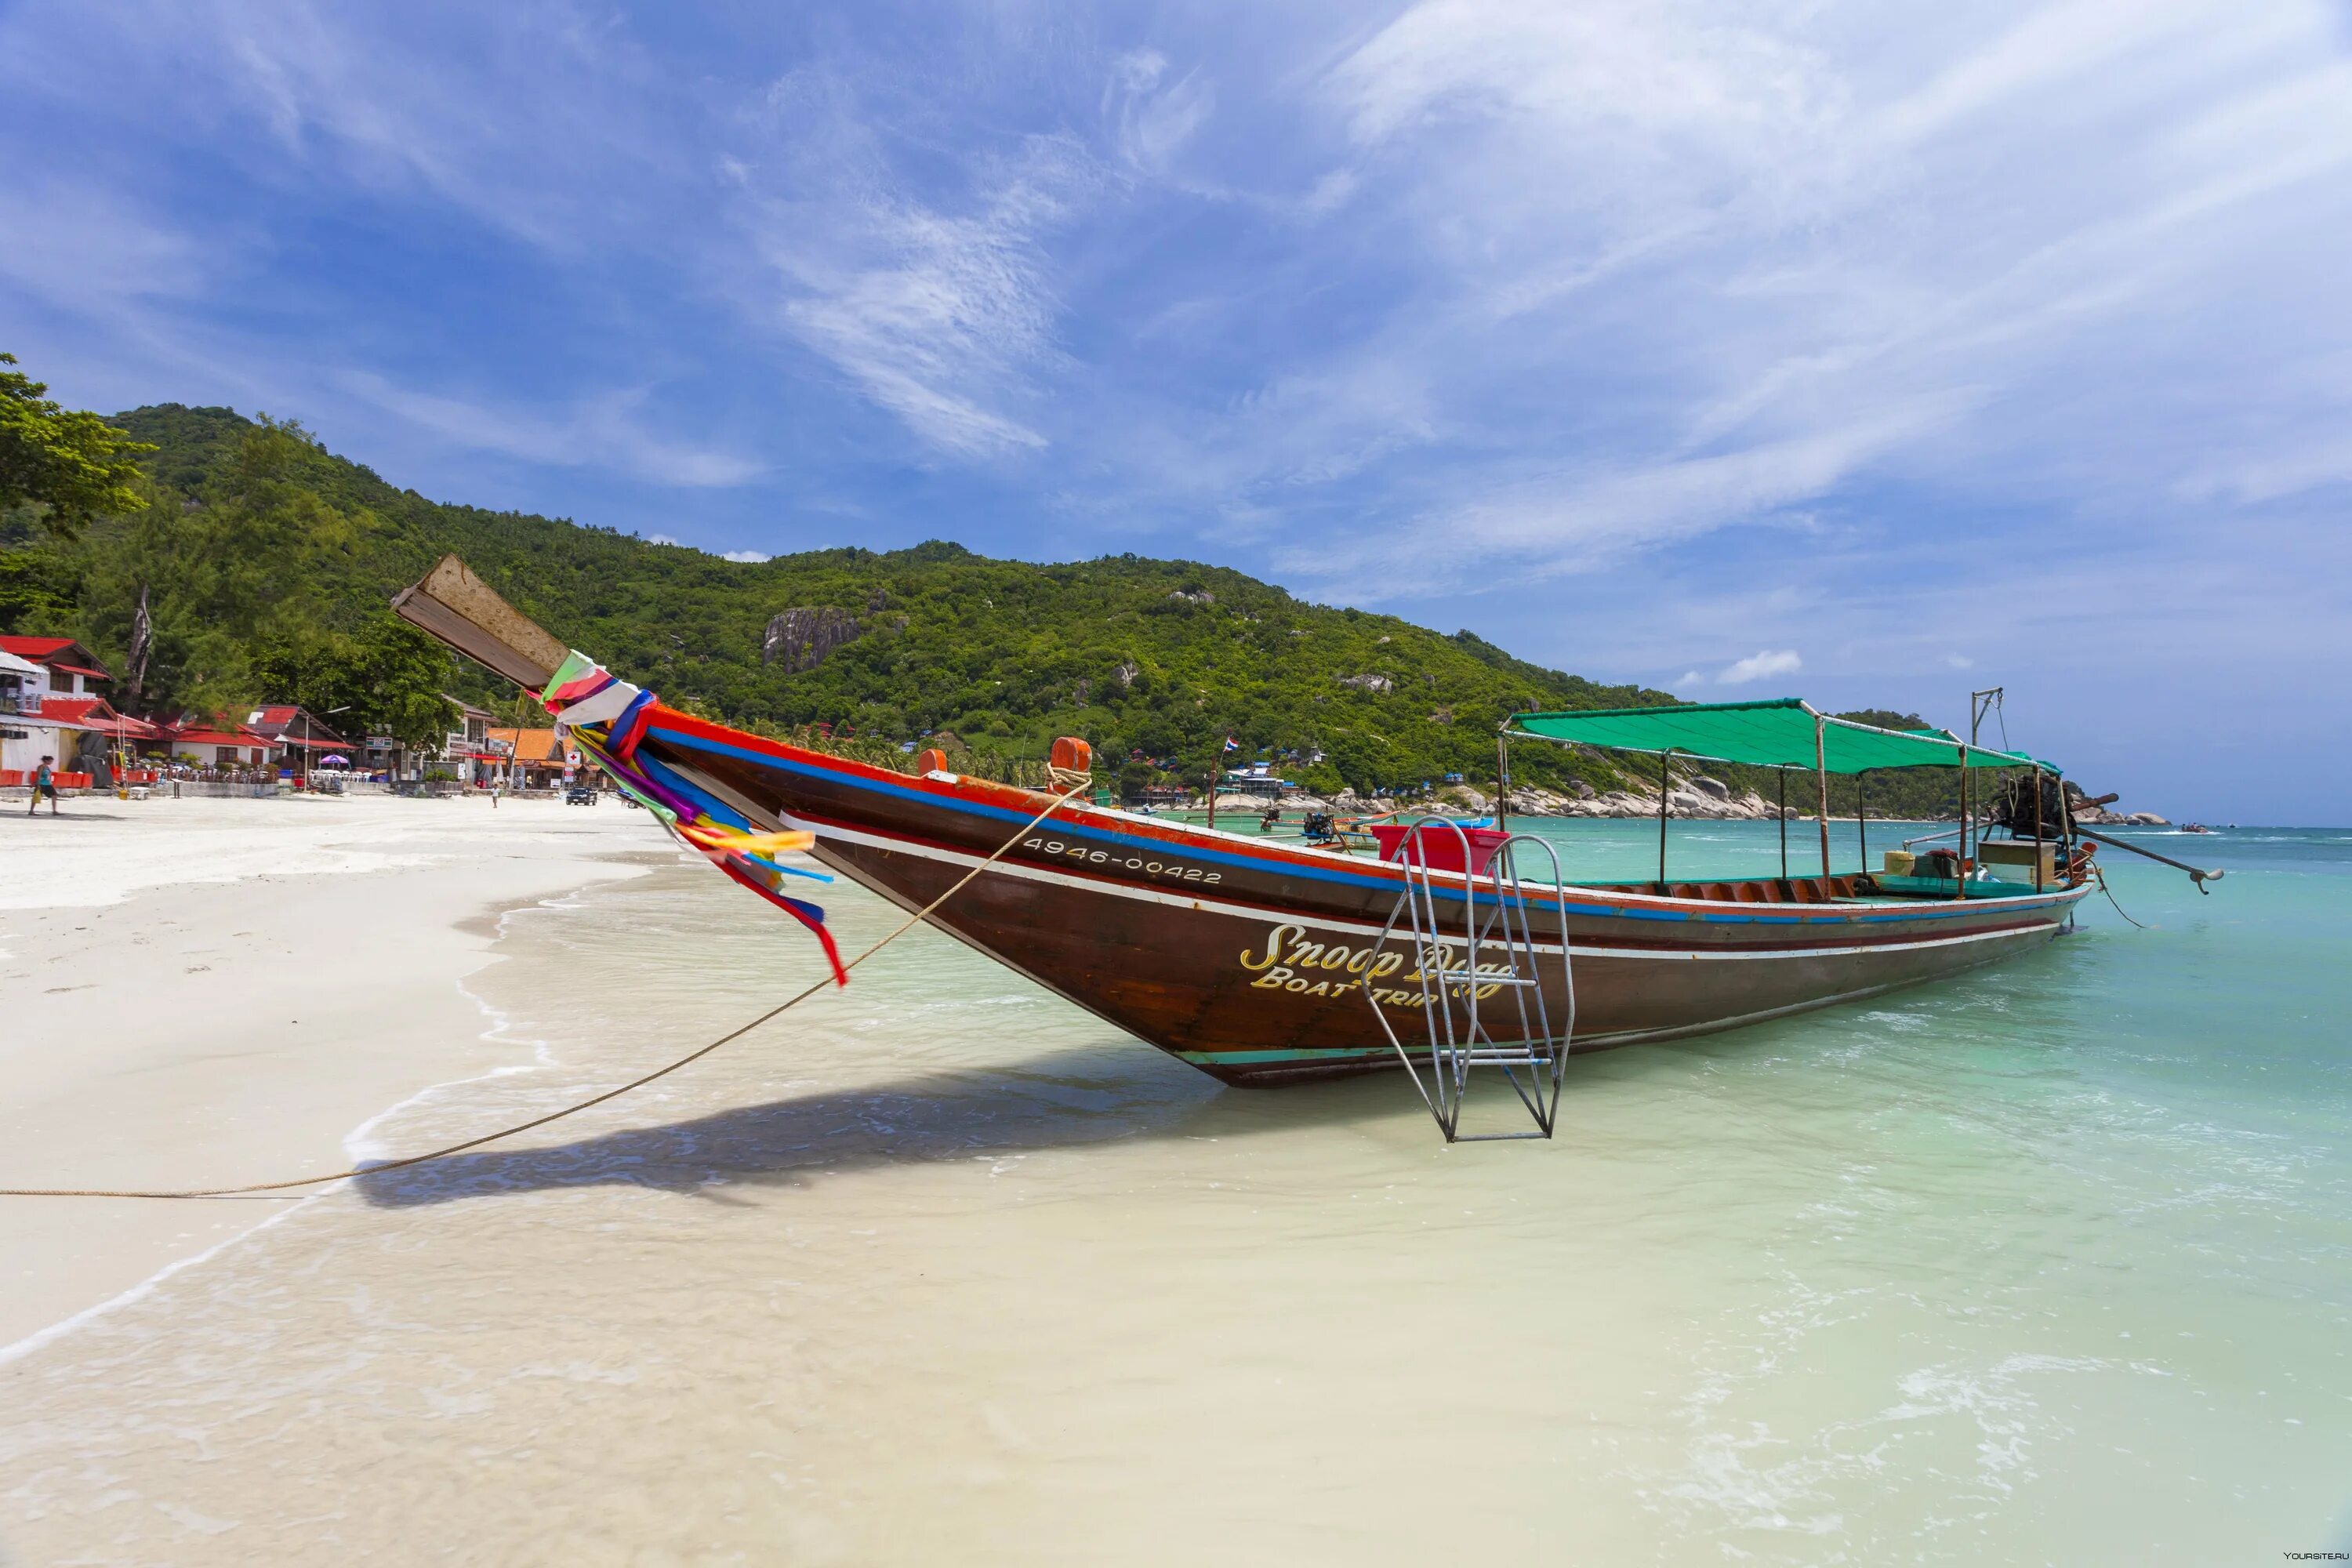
(936, 316)
(939, 308)
(86, 246)
(606, 431)
(1586, 520)
(1705, 78)
(1761, 666)
(749, 557)
(1151, 115)
(544, 121)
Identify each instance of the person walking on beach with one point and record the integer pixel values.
(44, 782)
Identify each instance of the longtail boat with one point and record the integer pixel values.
(1270, 961)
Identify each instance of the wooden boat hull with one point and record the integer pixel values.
(1251, 959)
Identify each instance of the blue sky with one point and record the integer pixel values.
(1867, 352)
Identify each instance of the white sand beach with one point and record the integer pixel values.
(216, 992)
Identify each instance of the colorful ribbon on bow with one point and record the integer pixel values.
(606, 717)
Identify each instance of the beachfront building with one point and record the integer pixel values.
(463, 751)
(540, 760)
(298, 736)
(96, 741)
(49, 706)
(1255, 778)
(216, 742)
(382, 754)
(25, 734)
(466, 751)
(72, 670)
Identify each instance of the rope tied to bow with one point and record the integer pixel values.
(254, 1188)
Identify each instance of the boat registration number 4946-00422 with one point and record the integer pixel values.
(1173, 870)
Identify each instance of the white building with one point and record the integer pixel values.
(50, 706)
(24, 735)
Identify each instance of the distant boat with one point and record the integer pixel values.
(2195, 827)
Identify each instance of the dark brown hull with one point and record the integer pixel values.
(1252, 959)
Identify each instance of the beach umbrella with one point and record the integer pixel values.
(334, 760)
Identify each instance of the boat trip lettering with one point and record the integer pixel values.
(1291, 963)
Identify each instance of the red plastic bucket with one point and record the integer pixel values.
(1438, 847)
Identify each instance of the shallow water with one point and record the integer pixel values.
(2048, 1263)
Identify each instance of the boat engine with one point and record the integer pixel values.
(2014, 808)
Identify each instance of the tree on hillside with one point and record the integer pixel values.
(234, 590)
(70, 463)
(38, 590)
(1885, 719)
(387, 678)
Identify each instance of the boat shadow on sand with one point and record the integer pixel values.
(1102, 1092)
(1063, 1100)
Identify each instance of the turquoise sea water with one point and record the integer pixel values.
(2047, 1263)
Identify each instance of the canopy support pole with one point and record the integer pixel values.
(1960, 872)
(2037, 830)
(1784, 823)
(1662, 819)
(1861, 818)
(1502, 780)
(2066, 825)
(1821, 780)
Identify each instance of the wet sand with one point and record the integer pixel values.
(215, 992)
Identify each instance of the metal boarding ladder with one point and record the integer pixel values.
(1490, 948)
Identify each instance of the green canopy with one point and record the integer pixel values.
(1776, 734)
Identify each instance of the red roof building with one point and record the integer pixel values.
(92, 713)
(288, 724)
(71, 667)
(214, 742)
(540, 755)
(78, 731)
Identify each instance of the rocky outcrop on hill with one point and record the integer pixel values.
(1680, 802)
(1463, 800)
(2093, 816)
(799, 639)
(2091, 810)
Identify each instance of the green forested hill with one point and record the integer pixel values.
(266, 563)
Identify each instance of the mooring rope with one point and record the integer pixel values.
(2100, 872)
(903, 928)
